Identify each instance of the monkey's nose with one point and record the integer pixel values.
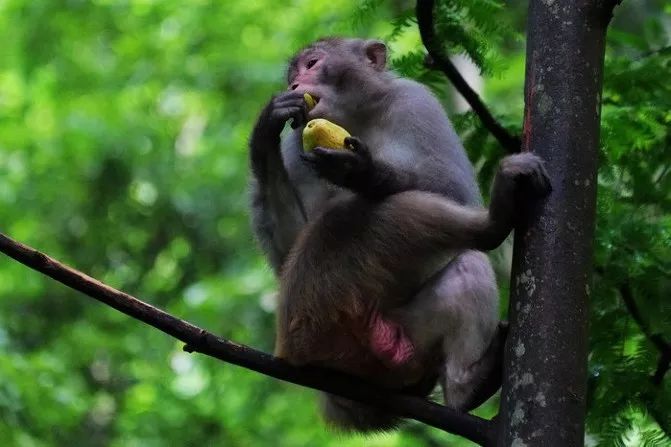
(294, 87)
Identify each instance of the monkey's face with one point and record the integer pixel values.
(312, 72)
(305, 72)
(338, 73)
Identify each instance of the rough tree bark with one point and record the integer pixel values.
(543, 397)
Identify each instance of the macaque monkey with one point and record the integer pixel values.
(379, 248)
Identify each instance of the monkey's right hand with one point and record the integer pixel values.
(282, 107)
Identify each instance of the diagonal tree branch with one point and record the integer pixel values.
(471, 427)
(424, 11)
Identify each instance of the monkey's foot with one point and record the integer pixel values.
(389, 342)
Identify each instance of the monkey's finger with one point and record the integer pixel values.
(295, 107)
(310, 159)
(298, 122)
(297, 110)
(541, 182)
(285, 113)
(288, 95)
(323, 166)
(289, 102)
(305, 113)
(301, 118)
(354, 143)
(529, 169)
(358, 147)
(337, 155)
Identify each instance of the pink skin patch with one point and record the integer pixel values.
(389, 342)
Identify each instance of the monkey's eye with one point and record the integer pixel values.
(311, 63)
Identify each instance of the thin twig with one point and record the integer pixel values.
(424, 10)
(199, 340)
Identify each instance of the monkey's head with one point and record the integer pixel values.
(342, 74)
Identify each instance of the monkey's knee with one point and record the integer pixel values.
(483, 378)
(287, 350)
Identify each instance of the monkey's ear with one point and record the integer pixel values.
(376, 52)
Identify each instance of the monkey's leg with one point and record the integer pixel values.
(458, 310)
(377, 252)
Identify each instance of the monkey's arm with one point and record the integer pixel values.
(277, 213)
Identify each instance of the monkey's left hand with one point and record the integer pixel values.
(352, 168)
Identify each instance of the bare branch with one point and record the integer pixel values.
(424, 11)
(199, 340)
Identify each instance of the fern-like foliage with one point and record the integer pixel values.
(402, 23)
(365, 10)
(473, 27)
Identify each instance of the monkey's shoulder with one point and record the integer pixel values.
(412, 105)
(413, 94)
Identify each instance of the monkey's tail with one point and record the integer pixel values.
(346, 415)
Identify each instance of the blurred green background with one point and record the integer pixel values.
(123, 132)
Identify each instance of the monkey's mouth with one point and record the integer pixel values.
(315, 109)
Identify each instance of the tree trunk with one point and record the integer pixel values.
(543, 397)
